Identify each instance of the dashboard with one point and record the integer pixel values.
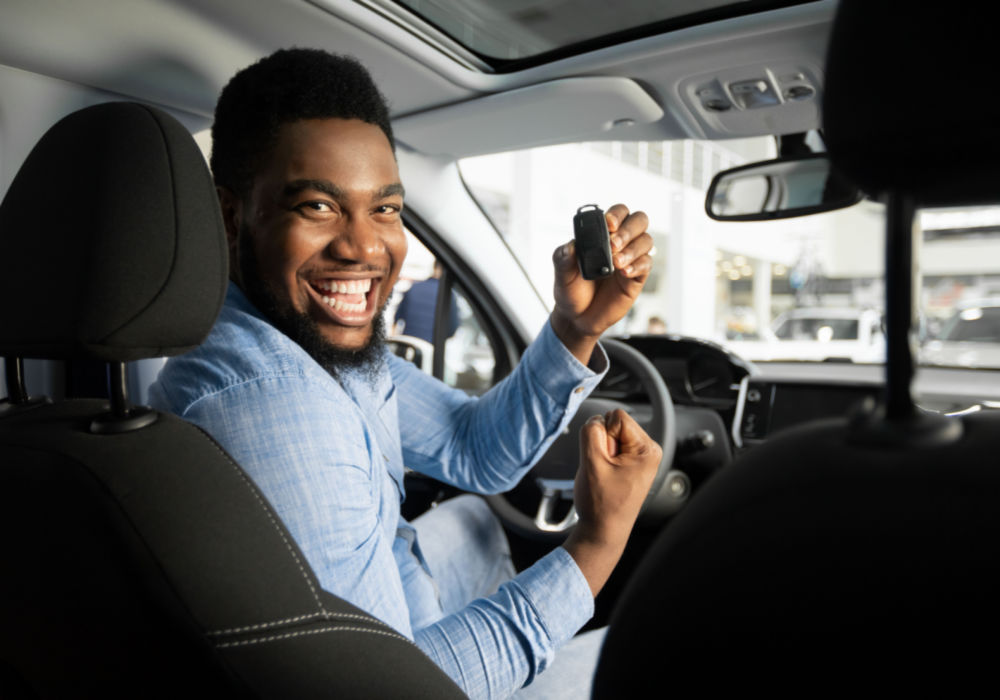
(755, 401)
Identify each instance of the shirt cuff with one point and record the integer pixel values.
(558, 373)
(559, 594)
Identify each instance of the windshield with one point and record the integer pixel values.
(802, 289)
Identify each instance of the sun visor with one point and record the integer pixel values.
(561, 111)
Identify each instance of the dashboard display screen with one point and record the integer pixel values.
(794, 403)
(769, 407)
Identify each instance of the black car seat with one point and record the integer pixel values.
(859, 554)
(138, 559)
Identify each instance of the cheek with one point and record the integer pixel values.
(281, 254)
(397, 247)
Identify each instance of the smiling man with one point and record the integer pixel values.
(319, 239)
(296, 383)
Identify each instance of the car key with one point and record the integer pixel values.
(593, 243)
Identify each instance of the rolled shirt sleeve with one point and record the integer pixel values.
(514, 632)
(487, 445)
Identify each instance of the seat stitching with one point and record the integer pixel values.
(303, 633)
(291, 620)
(267, 511)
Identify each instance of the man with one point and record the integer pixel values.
(415, 313)
(294, 382)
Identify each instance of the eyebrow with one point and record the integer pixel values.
(325, 186)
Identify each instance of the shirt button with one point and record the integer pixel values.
(578, 390)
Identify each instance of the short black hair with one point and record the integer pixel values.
(288, 85)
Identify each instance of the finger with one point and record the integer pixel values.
(615, 215)
(594, 437)
(635, 249)
(613, 422)
(638, 270)
(609, 426)
(632, 226)
(623, 427)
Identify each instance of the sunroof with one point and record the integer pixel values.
(505, 32)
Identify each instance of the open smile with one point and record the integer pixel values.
(346, 301)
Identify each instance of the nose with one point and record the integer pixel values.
(357, 240)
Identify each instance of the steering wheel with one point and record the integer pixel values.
(554, 472)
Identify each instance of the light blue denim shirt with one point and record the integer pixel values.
(330, 454)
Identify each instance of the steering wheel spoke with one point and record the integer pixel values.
(553, 491)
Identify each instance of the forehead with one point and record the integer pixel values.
(348, 152)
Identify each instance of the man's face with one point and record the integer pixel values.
(324, 228)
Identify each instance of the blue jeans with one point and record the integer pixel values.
(467, 552)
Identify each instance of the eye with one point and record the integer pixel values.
(316, 206)
(316, 209)
(388, 209)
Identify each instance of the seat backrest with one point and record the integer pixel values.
(138, 558)
(864, 552)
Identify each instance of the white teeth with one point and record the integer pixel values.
(338, 287)
(345, 286)
(340, 305)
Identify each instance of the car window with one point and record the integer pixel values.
(817, 329)
(469, 357)
(736, 282)
(979, 324)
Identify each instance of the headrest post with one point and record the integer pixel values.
(118, 389)
(899, 421)
(14, 370)
(122, 418)
(900, 277)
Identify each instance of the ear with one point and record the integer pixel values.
(232, 217)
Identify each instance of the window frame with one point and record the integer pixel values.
(506, 342)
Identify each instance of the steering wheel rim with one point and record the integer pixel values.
(564, 452)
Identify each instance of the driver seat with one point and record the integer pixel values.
(138, 558)
(861, 552)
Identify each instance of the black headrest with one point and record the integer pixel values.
(909, 104)
(112, 240)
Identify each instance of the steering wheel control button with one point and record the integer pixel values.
(697, 441)
(678, 485)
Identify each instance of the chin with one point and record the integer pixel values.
(350, 342)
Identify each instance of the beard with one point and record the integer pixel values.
(368, 360)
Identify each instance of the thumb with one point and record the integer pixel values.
(564, 261)
(622, 428)
(594, 438)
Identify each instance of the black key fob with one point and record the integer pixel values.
(593, 243)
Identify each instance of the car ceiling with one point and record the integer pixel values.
(179, 53)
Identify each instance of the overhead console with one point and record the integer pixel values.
(750, 100)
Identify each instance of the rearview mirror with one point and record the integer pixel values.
(779, 189)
